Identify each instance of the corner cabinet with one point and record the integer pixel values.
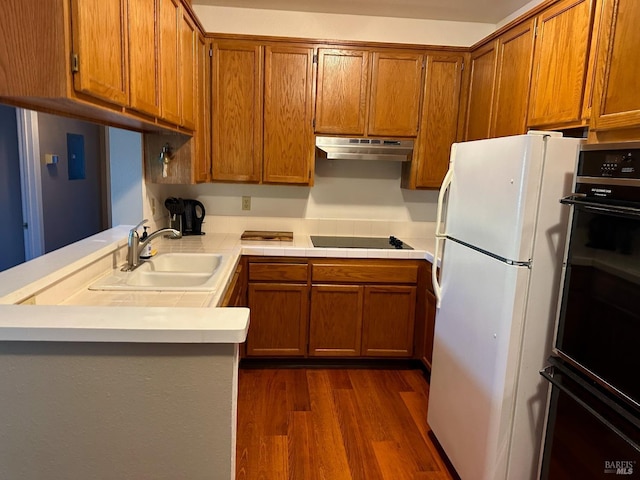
(372, 93)
(500, 83)
(439, 124)
(262, 113)
(617, 92)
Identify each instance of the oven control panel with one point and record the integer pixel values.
(610, 163)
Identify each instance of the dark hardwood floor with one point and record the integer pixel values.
(334, 424)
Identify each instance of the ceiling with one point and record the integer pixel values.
(485, 11)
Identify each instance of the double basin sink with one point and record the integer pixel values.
(193, 272)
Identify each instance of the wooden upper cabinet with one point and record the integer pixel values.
(288, 152)
(560, 64)
(202, 158)
(143, 56)
(481, 90)
(617, 92)
(439, 123)
(170, 18)
(513, 80)
(99, 29)
(188, 73)
(396, 84)
(237, 111)
(341, 96)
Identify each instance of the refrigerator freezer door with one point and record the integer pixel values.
(475, 361)
(494, 193)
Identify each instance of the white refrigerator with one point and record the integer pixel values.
(501, 242)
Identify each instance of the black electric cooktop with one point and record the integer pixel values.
(359, 242)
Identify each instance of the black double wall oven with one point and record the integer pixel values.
(593, 426)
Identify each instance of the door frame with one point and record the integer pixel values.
(30, 182)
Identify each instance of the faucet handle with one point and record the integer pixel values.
(135, 229)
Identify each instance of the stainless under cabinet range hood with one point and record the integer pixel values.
(335, 148)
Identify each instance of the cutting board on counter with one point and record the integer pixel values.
(267, 235)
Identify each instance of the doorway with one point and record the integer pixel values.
(13, 249)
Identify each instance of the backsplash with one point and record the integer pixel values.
(305, 226)
(353, 190)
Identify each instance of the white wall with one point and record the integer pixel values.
(520, 11)
(340, 27)
(343, 190)
(71, 209)
(124, 153)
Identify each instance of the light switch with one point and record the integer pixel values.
(50, 159)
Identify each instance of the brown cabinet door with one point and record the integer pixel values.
(170, 18)
(188, 71)
(335, 323)
(560, 63)
(430, 324)
(279, 320)
(439, 124)
(144, 91)
(100, 43)
(202, 161)
(237, 111)
(341, 98)
(481, 87)
(396, 83)
(513, 80)
(389, 317)
(288, 152)
(617, 93)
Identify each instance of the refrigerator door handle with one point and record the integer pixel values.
(440, 236)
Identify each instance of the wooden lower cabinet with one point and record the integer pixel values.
(430, 324)
(279, 319)
(335, 323)
(333, 307)
(389, 315)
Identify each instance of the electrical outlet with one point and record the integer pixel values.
(246, 203)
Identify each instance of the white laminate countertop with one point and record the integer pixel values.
(108, 316)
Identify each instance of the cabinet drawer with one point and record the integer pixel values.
(351, 273)
(278, 272)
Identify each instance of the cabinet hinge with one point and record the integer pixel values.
(25, 225)
(535, 31)
(211, 52)
(313, 123)
(462, 67)
(75, 63)
(315, 58)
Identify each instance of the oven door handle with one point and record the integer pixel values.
(549, 372)
(579, 201)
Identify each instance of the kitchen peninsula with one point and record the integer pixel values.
(130, 383)
(129, 390)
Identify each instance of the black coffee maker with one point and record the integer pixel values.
(185, 215)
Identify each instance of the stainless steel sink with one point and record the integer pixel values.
(194, 272)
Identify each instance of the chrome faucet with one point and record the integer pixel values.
(135, 246)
